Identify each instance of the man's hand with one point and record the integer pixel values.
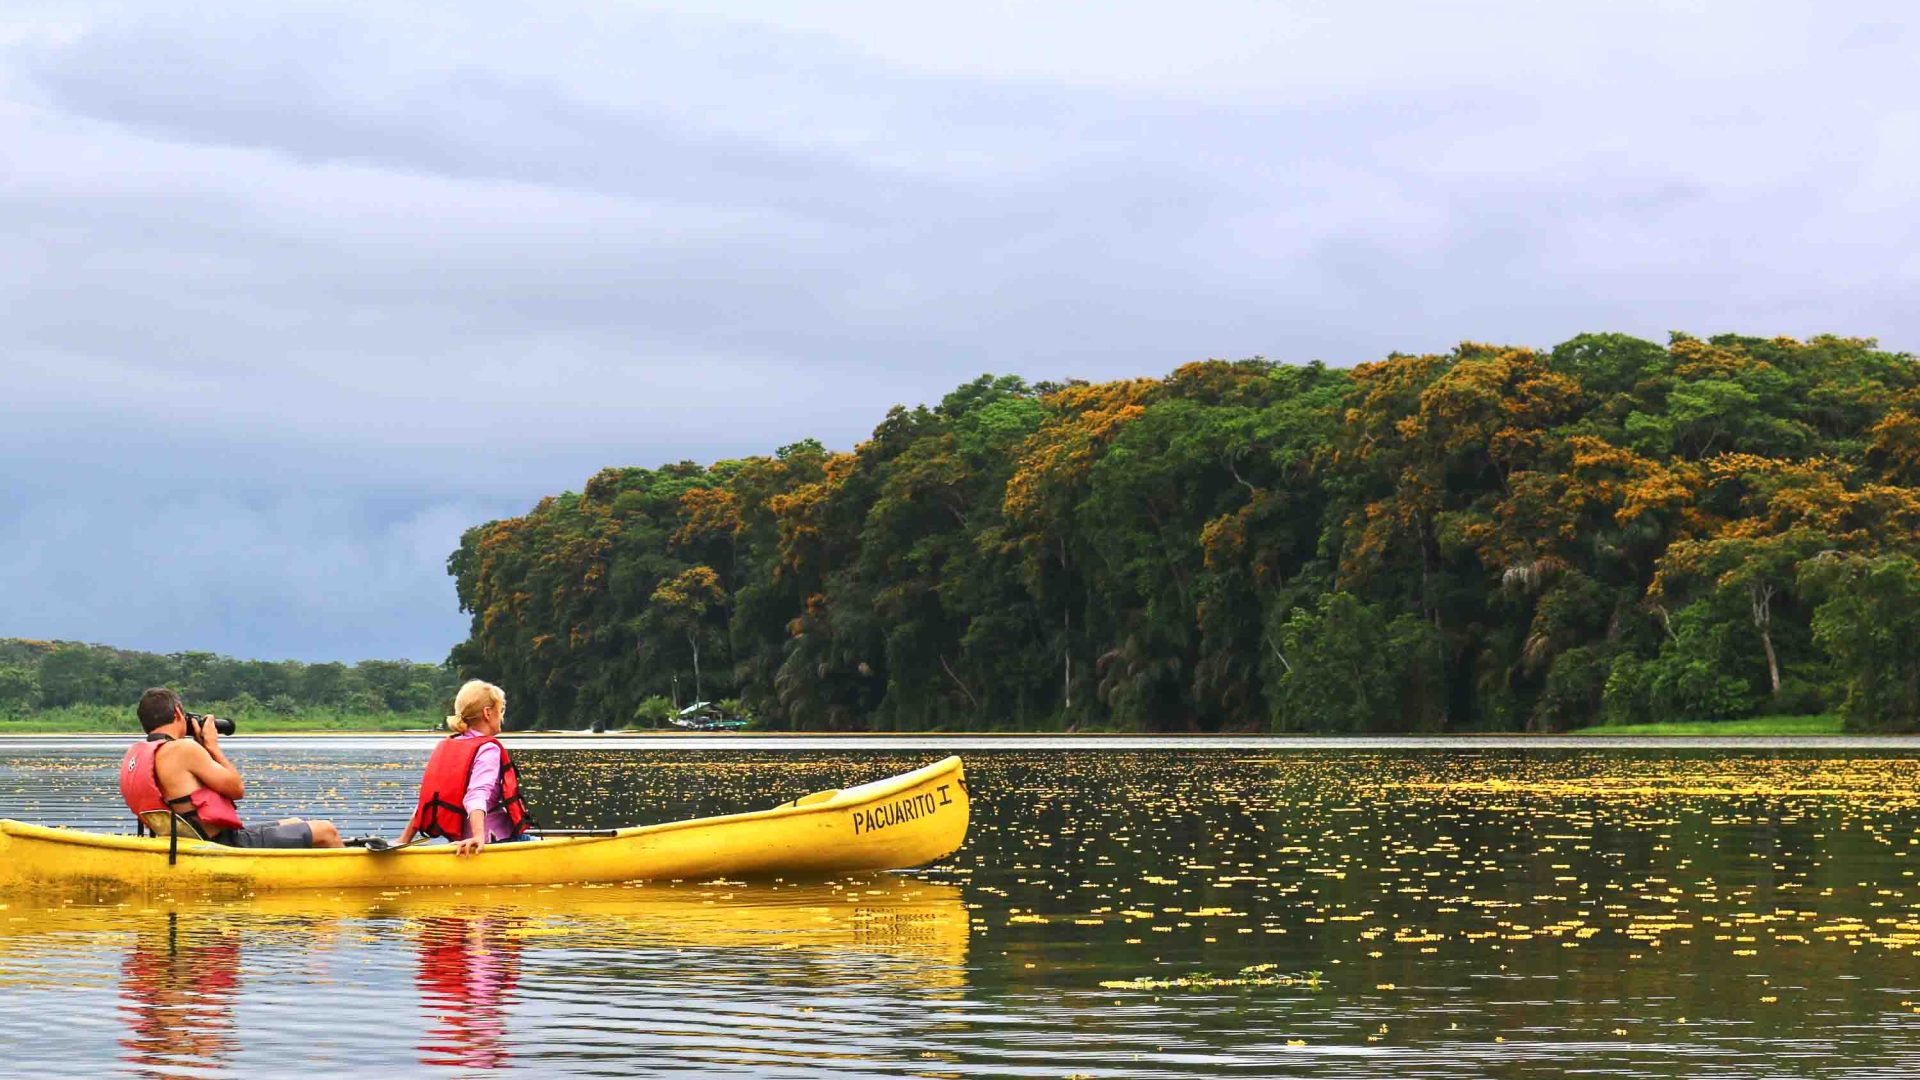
(208, 733)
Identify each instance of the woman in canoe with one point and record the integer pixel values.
(471, 793)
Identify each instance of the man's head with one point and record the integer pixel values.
(158, 708)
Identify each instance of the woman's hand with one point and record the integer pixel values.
(476, 834)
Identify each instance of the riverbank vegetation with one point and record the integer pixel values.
(64, 686)
(120, 720)
(1490, 539)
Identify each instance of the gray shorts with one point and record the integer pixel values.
(270, 836)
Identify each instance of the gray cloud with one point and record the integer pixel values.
(306, 575)
(337, 280)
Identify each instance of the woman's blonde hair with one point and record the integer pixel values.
(474, 697)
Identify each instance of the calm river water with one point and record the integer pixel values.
(1176, 912)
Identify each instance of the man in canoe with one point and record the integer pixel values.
(471, 793)
(180, 767)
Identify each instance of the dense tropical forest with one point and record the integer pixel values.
(98, 686)
(1492, 539)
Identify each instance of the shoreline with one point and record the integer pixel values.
(1822, 725)
(769, 741)
(1818, 731)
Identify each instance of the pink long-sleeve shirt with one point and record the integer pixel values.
(484, 790)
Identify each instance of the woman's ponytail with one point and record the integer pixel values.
(471, 701)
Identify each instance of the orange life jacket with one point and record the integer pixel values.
(443, 790)
(140, 787)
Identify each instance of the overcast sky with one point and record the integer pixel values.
(294, 294)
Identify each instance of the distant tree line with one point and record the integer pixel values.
(1494, 538)
(38, 675)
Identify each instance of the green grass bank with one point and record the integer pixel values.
(1819, 724)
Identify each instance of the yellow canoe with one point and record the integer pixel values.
(898, 822)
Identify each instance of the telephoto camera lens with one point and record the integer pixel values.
(220, 723)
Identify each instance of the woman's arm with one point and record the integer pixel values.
(476, 834)
(483, 778)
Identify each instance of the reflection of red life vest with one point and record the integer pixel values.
(177, 996)
(444, 789)
(468, 972)
(467, 965)
(140, 787)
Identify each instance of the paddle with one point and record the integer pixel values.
(381, 843)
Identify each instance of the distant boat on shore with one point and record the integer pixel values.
(706, 716)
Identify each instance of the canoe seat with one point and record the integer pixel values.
(163, 822)
(816, 797)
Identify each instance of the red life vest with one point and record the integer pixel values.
(140, 787)
(443, 790)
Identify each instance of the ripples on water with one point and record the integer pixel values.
(1171, 914)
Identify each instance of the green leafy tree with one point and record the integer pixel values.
(1351, 667)
(1869, 622)
(73, 675)
(687, 603)
(19, 687)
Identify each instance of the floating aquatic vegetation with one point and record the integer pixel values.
(1254, 975)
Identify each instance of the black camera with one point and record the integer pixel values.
(220, 723)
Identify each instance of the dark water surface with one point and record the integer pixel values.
(1115, 912)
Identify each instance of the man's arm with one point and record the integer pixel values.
(211, 767)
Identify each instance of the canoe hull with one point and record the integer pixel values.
(895, 823)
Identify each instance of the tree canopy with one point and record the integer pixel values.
(1494, 538)
(56, 674)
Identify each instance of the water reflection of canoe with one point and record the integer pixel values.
(898, 822)
(185, 965)
(882, 914)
